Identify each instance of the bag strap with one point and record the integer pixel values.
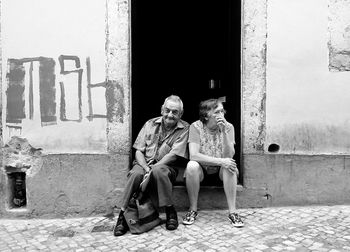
(145, 181)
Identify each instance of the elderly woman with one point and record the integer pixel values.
(211, 146)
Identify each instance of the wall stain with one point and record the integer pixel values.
(115, 101)
(61, 204)
(260, 143)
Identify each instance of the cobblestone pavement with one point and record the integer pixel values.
(315, 228)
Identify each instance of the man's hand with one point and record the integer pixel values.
(147, 168)
(147, 174)
(148, 171)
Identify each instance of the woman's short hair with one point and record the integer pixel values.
(205, 107)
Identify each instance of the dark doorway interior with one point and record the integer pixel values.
(177, 48)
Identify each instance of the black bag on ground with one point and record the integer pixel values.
(141, 215)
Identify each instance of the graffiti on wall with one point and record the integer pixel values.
(56, 104)
(55, 88)
(16, 98)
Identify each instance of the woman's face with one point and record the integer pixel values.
(215, 115)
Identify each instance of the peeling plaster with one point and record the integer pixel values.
(20, 156)
(339, 35)
(339, 60)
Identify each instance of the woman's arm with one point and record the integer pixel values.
(208, 160)
(228, 143)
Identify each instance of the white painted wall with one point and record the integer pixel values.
(52, 28)
(307, 106)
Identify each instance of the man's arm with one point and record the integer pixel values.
(228, 132)
(140, 158)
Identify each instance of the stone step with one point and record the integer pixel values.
(210, 197)
(213, 197)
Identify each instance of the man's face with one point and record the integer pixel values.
(171, 112)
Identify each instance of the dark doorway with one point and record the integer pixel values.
(177, 48)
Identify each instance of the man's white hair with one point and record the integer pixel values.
(174, 98)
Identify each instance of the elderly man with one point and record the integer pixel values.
(159, 144)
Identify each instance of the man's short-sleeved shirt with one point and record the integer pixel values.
(210, 143)
(151, 142)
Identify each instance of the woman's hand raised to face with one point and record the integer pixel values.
(220, 120)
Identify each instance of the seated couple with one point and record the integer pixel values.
(159, 144)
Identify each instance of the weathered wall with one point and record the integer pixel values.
(283, 84)
(118, 68)
(82, 164)
(306, 103)
(84, 184)
(62, 184)
(299, 179)
(253, 75)
(286, 50)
